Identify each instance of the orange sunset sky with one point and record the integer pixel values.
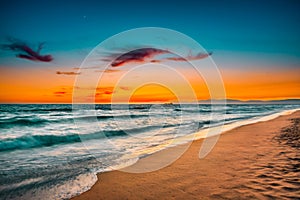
(40, 85)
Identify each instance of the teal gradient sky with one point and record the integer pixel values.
(266, 30)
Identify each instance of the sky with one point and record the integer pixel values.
(255, 46)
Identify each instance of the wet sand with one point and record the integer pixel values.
(257, 161)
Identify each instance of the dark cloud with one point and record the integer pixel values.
(138, 55)
(26, 52)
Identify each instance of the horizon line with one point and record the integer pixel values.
(258, 101)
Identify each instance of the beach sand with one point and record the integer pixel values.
(257, 161)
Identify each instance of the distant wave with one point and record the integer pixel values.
(49, 110)
(17, 121)
(42, 109)
(195, 110)
(232, 119)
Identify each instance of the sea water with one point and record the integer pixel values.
(51, 151)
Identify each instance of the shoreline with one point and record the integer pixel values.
(122, 185)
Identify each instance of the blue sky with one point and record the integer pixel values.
(266, 30)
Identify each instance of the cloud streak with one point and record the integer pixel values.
(199, 56)
(67, 73)
(108, 70)
(26, 52)
(150, 55)
(100, 91)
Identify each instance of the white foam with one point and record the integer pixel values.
(124, 161)
(65, 190)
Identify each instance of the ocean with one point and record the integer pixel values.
(53, 151)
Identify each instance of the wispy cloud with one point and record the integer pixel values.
(67, 73)
(63, 91)
(124, 88)
(191, 57)
(104, 91)
(108, 70)
(60, 92)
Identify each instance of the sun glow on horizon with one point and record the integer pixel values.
(40, 85)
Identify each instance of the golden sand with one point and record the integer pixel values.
(248, 162)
